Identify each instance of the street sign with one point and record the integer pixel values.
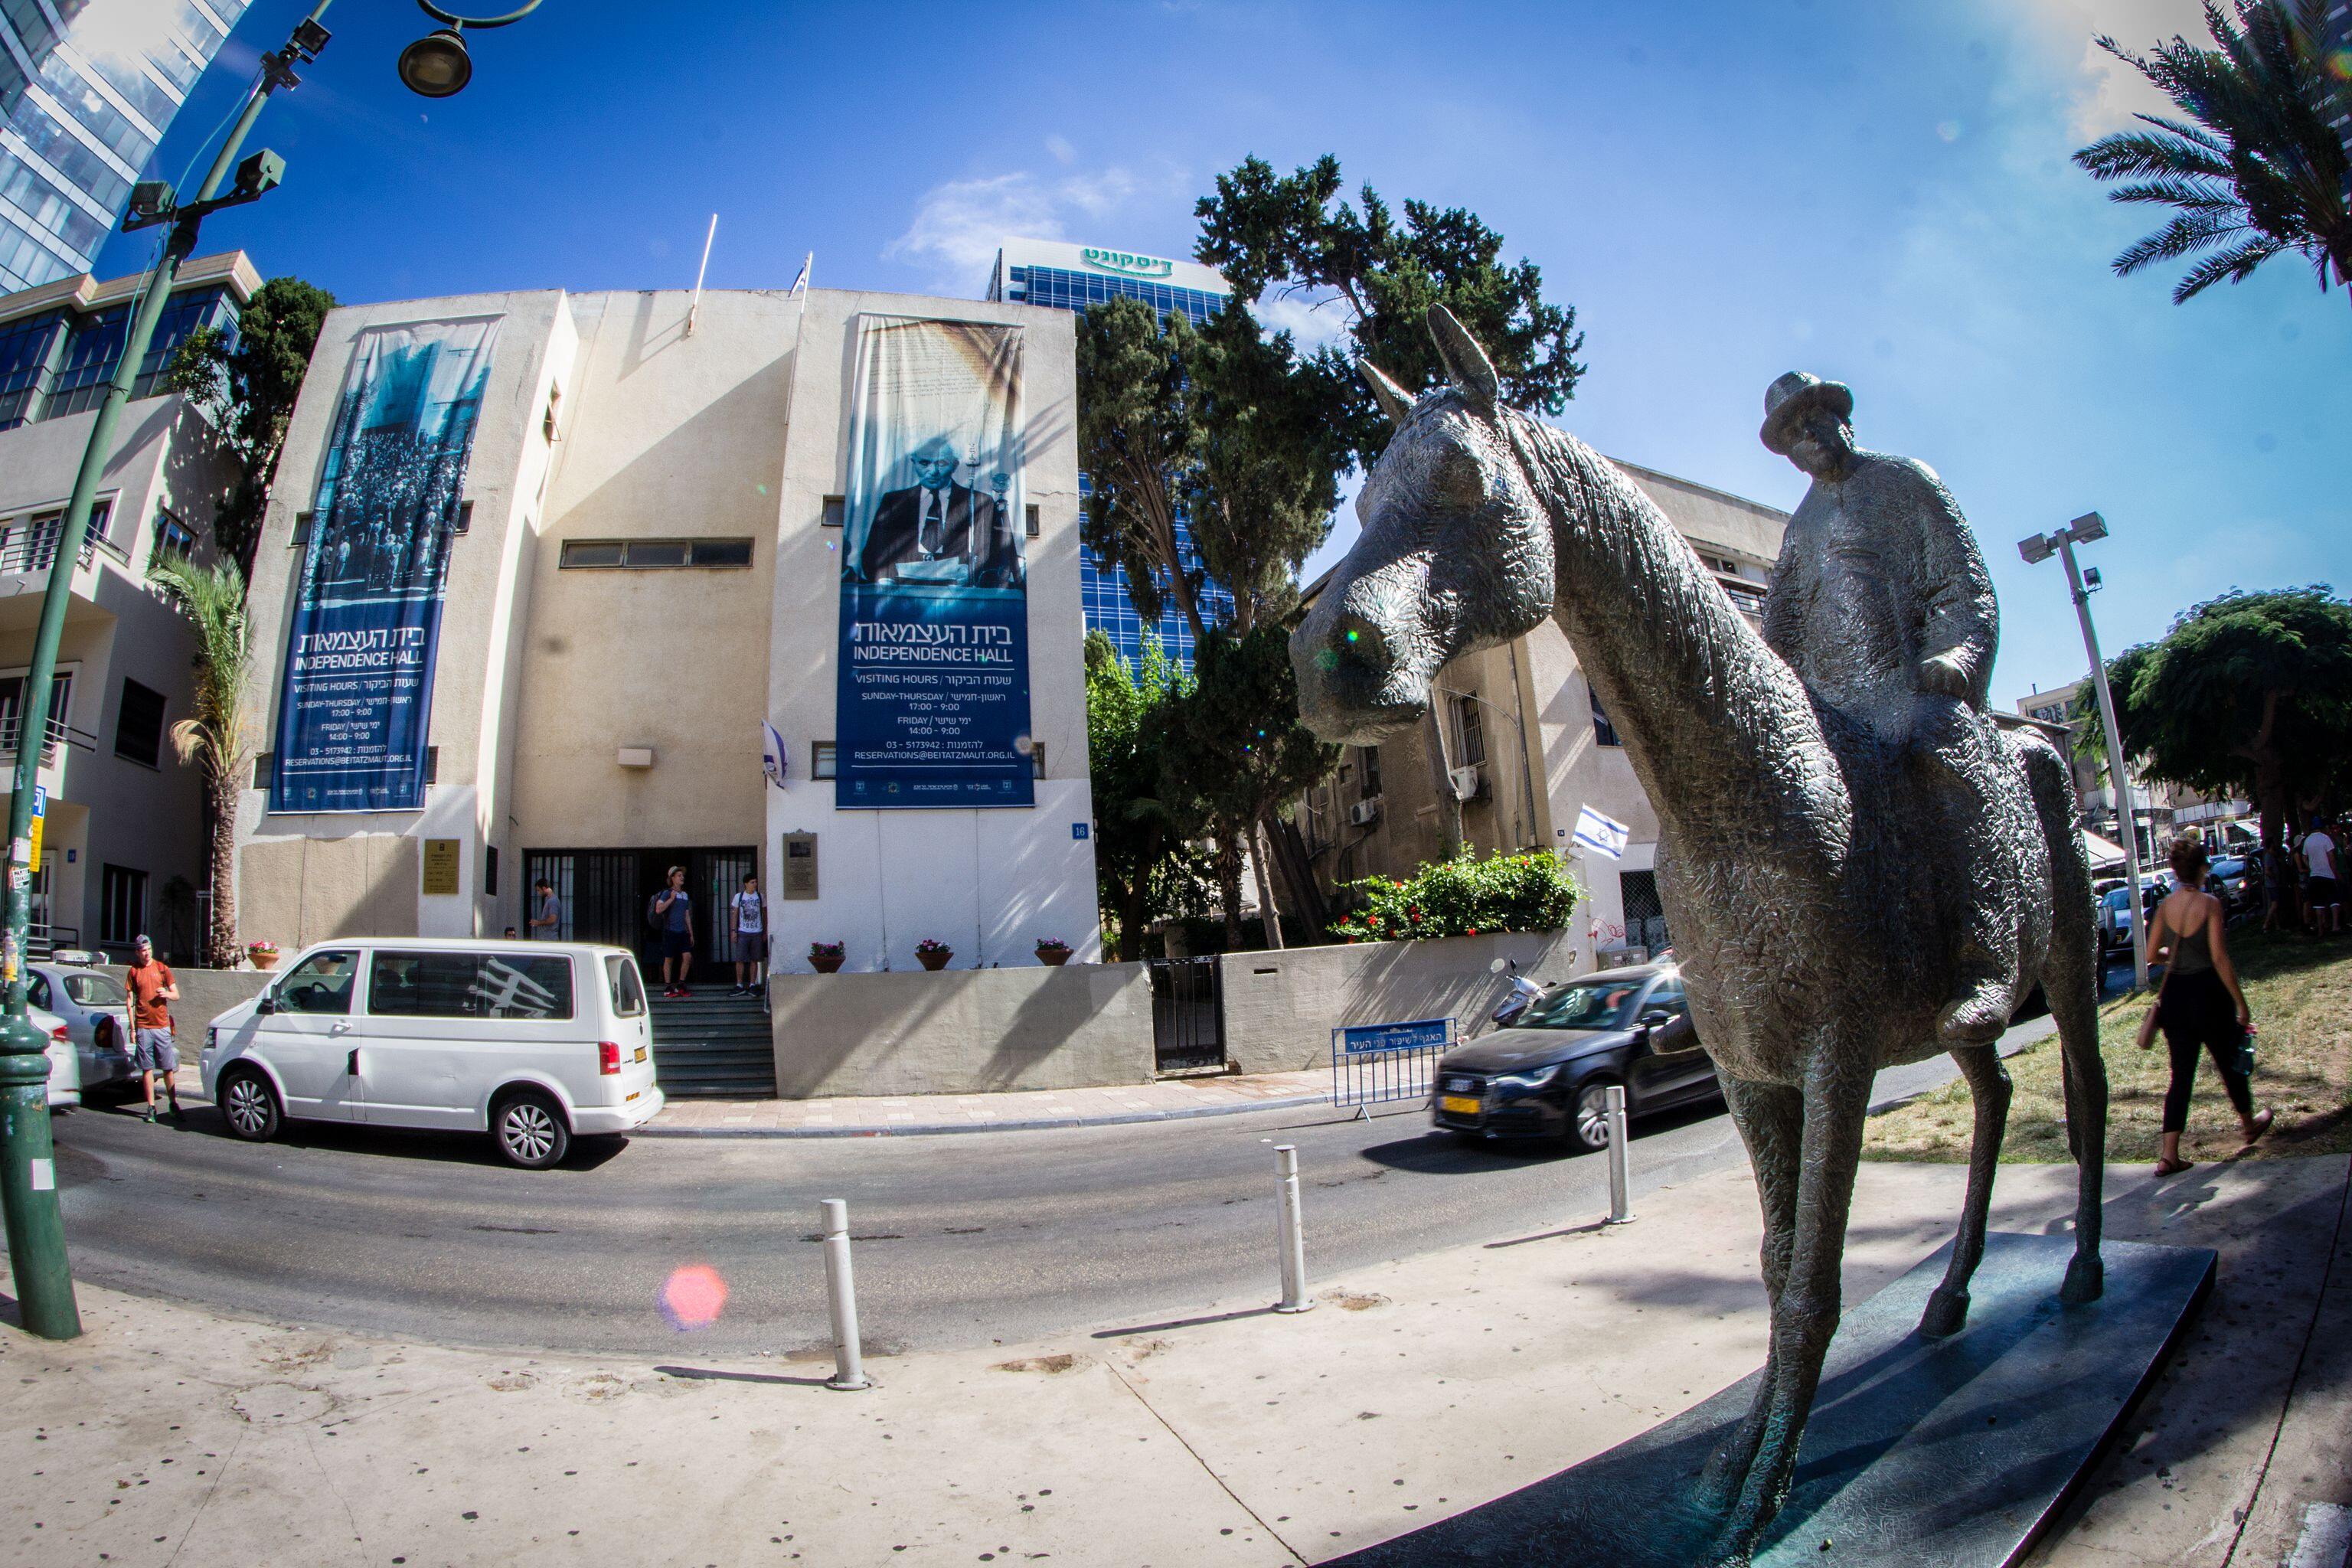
(40, 820)
(1357, 1038)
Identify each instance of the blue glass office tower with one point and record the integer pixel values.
(87, 90)
(1070, 278)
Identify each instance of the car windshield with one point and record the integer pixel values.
(2118, 899)
(1587, 1004)
(96, 992)
(2228, 866)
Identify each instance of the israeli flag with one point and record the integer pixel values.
(1601, 835)
(771, 753)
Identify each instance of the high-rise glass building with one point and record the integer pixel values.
(87, 90)
(1070, 278)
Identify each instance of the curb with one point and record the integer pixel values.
(1026, 1125)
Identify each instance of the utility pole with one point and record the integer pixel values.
(2084, 529)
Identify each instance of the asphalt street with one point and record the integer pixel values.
(960, 1241)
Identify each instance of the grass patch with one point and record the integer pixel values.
(2301, 994)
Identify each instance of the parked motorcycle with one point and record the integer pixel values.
(1523, 992)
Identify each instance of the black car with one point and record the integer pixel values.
(1547, 1076)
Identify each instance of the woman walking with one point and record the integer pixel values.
(2201, 1005)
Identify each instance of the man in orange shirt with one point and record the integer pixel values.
(152, 990)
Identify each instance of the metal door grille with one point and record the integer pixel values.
(1188, 1013)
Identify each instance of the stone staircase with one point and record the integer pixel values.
(714, 1046)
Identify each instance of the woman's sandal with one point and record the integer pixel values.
(2262, 1125)
(2172, 1167)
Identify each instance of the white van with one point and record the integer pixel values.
(532, 1041)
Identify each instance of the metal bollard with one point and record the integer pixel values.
(1621, 1210)
(840, 1290)
(1289, 1239)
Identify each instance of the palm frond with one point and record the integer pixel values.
(2184, 236)
(2235, 264)
(2138, 154)
(212, 599)
(2189, 196)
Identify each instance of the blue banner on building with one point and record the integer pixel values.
(933, 701)
(358, 689)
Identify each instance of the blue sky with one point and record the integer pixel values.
(1875, 193)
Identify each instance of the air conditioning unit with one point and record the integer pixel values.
(1470, 782)
(1364, 813)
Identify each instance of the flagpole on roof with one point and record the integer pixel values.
(694, 310)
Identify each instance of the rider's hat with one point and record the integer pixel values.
(1788, 400)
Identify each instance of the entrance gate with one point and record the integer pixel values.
(1188, 1013)
(604, 894)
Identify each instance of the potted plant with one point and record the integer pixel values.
(264, 954)
(1054, 951)
(825, 957)
(933, 953)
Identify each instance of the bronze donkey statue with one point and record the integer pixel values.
(1799, 857)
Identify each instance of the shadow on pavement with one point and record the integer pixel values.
(1182, 1324)
(399, 1143)
(713, 1375)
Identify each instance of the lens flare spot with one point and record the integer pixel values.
(1949, 130)
(1353, 634)
(693, 1297)
(2340, 64)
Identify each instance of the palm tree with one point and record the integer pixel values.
(215, 736)
(2256, 169)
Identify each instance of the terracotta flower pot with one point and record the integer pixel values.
(825, 964)
(1054, 956)
(935, 959)
(263, 960)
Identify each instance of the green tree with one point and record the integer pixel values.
(1288, 234)
(1237, 754)
(2255, 168)
(1141, 855)
(1138, 425)
(248, 384)
(2248, 694)
(216, 736)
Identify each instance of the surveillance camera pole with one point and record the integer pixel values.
(28, 1196)
(2062, 541)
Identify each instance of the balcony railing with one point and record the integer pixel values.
(34, 548)
(61, 734)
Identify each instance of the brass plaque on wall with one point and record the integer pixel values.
(440, 866)
(799, 864)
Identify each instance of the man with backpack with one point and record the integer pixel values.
(672, 914)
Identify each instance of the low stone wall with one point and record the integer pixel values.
(1281, 1007)
(206, 994)
(961, 1031)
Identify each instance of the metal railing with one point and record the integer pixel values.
(33, 547)
(60, 734)
(1375, 1063)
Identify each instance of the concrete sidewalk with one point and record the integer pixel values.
(869, 1116)
(172, 1435)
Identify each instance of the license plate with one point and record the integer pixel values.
(1459, 1104)
(641, 1053)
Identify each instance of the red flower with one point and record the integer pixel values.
(1474, 931)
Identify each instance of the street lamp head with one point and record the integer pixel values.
(2087, 528)
(436, 65)
(2036, 550)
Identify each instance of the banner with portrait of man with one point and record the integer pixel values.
(933, 701)
(358, 686)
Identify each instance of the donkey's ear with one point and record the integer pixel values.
(1393, 399)
(1466, 364)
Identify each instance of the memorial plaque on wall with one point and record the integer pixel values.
(440, 866)
(799, 864)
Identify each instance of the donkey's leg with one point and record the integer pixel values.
(2074, 1001)
(1771, 1120)
(1947, 1309)
(1836, 1102)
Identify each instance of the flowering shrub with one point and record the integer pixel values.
(1521, 890)
(1051, 944)
(932, 945)
(262, 949)
(826, 949)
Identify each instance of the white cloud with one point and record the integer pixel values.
(1059, 146)
(2109, 91)
(958, 226)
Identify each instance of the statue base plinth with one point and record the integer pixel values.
(1958, 1452)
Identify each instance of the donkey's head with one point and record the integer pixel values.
(1456, 554)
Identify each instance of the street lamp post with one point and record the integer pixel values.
(2084, 529)
(28, 1199)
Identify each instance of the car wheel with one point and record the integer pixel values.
(1588, 1117)
(530, 1131)
(250, 1105)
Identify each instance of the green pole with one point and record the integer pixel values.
(28, 1196)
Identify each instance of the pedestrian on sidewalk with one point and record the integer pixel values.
(2323, 906)
(152, 990)
(2199, 1006)
(673, 913)
(750, 915)
(2278, 887)
(547, 920)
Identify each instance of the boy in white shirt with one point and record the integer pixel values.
(748, 914)
(2323, 902)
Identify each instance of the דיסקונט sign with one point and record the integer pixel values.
(357, 694)
(1126, 262)
(933, 704)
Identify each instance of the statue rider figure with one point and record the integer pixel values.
(1882, 604)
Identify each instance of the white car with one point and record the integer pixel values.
(81, 1011)
(530, 1041)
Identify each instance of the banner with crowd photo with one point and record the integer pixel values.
(933, 701)
(358, 688)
